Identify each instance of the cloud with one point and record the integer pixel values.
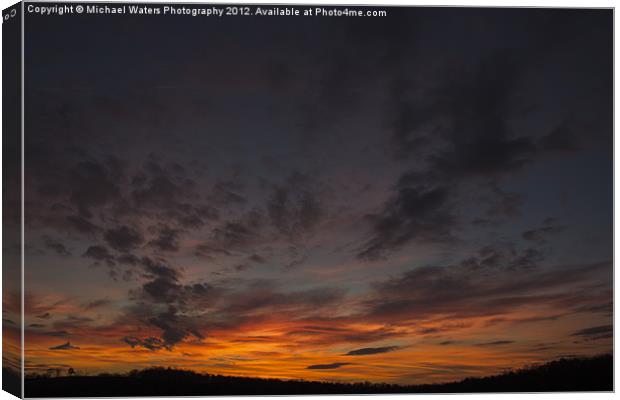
(81, 182)
(318, 335)
(264, 296)
(538, 318)
(174, 327)
(82, 225)
(180, 311)
(92, 184)
(480, 142)
(257, 259)
(483, 287)
(210, 251)
(371, 350)
(57, 246)
(65, 346)
(150, 343)
(238, 234)
(100, 253)
(165, 303)
(595, 332)
(166, 192)
(96, 304)
(496, 343)
(422, 213)
(57, 333)
(456, 130)
(540, 235)
(167, 238)
(128, 259)
(227, 192)
(294, 207)
(327, 366)
(164, 285)
(123, 238)
(503, 203)
(506, 257)
(560, 139)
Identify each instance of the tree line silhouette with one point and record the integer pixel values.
(566, 374)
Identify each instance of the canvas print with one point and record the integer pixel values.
(212, 199)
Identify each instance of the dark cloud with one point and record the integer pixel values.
(162, 290)
(165, 191)
(167, 238)
(159, 268)
(263, 296)
(327, 366)
(210, 251)
(123, 238)
(480, 141)
(540, 235)
(561, 139)
(150, 343)
(604, 307)
(82, 225)
(128, 259)
(253, 259)
(227, 193)
(157, 188)
(164, 302)
(526, 320)
(483, 288)
(57, 333)
(294, 207)
(100, 253)
(183, 311)
(257, 259)
(57, 246)
(115, 188)
(465, 118)
(595, 332)
(234, 234)
(503, 203)
(65, 346)
(96, 304)
(422, 213)
(429, 331)
(238, 234)
(326, 335)
(72, 321)
(164, 286)
(506, 257)
(371, 350)
(174, 327)
(496, 343)
(92, 184)
(172, 323)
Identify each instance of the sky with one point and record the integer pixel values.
(415, 198)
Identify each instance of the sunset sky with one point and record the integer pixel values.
(408, 199)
